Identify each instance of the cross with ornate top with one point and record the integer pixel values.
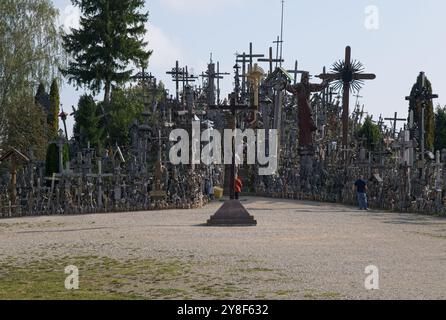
(347, 75)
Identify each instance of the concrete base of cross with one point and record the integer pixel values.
(232, 214)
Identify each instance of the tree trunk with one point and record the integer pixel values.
(107, 93)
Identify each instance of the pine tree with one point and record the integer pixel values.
(370, 132)
(416, 107)
(40, 94)
(440, 128)
(87, 127)
(53, 114)
(109, 38)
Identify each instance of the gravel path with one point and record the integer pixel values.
(298, 250)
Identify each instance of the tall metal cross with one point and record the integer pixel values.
(347, 76)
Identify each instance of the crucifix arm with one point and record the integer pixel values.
(319, 87)
(364, 76)
(294, 89)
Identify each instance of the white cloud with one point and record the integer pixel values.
(165, 50)
(200, 5)
(70, 18)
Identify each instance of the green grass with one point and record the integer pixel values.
(103, 278)
(99, 278)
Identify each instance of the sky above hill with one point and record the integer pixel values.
(394, 39)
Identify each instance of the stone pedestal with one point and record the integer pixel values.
(232, 213)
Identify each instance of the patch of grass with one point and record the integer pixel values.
(28, 225)
(255, 270)
(323, 296)
(431, 235)
(283, 293)
(99, 278)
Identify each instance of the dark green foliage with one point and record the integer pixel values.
(88, 127)
(371, 133)
(52, 159)
(429, 117)
(53, 114)
(440, 128)
(41, 97)
(110, 37)
(126, 105)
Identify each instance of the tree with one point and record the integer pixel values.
(440, 128)
(52, 159)
(416, 107)
(53, 114)
(370, 132)
(110, 37)
(87, 128)
(127, 105)
(26, 127)
(30, 53)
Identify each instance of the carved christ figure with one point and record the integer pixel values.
(303, 92)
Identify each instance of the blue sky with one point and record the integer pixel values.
(411, 38)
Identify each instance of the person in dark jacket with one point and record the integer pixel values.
(361, 192)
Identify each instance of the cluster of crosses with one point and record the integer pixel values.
(319, 151)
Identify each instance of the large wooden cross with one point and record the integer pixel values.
(176, 74)
(346, 76)
(270, 59)
(295, 72)
(244, 59)
(232, 212)
(233, 107)
(394, 120)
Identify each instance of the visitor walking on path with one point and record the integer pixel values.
(361, 192)
(238, 187)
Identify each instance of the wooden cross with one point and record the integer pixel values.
(233, 107)
(347, 76)
(186, 78)
(422, 95)
(176, 74)
(244, 59)
(278, 44)
(219, 75)
(394, 120)
(270, 59)
(295, 71)
(99, 176)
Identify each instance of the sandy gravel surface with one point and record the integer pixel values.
(299, 250)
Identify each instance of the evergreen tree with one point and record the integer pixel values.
(440, 128)
(87, 127)
(41, 95)
(53, 114)
(110, 37)
(52, 159)
(370, 132)
(416, 106)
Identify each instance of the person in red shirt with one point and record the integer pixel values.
(238, 187)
